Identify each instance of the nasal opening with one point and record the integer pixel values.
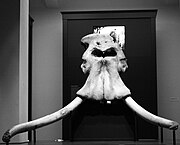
(107, 53)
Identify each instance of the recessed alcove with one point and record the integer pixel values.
(97, 121)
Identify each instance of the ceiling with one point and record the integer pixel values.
(65, 4)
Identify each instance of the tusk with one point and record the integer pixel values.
(149, 116)
(43, 121)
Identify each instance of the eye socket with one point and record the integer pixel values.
(84, 61)
(123, 59)
(96, 52)
(110, 52)
(86, 45)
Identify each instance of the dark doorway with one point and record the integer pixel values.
(95, 120)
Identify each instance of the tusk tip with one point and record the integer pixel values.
(174, 126)
(6, 137)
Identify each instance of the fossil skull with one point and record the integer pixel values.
(104, 59)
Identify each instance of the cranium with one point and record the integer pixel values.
(103, 61)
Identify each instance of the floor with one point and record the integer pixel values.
(95, 143)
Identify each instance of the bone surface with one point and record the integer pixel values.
(103, 60)
(42, 121)
(163, 122)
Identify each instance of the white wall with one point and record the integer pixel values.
(23, 65)
(47, 69)
(47, 56)
(168, 66)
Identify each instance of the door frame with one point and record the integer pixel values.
(98, 15)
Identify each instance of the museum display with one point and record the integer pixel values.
(103, 61)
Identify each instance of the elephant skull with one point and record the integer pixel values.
(104, 59)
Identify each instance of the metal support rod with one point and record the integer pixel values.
(34, 136)
(135, 127)
(162, 139)
(174, 137)
(30, 136)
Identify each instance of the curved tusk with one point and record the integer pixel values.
(43, 121)
(149, 116)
